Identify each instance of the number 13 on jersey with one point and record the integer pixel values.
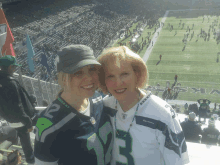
(125, 150)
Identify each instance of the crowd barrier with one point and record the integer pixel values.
(41, 89)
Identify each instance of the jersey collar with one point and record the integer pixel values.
(69, 108)
(125, 115)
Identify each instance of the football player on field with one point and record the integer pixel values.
(146, 128)
(75, 129)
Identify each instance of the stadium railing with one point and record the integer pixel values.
(41, 89)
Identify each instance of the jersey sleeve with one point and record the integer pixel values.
(171, 140)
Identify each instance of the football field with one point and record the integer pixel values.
(196, 66)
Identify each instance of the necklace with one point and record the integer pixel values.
(132, 119)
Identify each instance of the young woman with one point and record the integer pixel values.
(146, 130)
(74, 129)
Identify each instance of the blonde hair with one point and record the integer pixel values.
(117, 54)
(61, 75)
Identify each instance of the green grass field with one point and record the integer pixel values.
(196, 66)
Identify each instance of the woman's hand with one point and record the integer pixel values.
(31, 129)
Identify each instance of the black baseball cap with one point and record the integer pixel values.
(74, 57)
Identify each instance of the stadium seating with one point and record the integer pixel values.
(77, 25)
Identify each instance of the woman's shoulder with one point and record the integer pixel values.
(56, 112)
(157, 106)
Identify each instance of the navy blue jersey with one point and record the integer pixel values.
(64, 136)
(191, 130)
(210, 135)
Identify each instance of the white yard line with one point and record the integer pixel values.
(154, 39)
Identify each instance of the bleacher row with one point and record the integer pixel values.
(87, 24)
(77, 25)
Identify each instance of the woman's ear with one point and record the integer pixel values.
(64, 80)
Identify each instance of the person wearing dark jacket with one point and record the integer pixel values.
(15, 105)
(211, 135)
(191, 129)
(203, 109)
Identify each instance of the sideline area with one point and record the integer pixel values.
(154, 39)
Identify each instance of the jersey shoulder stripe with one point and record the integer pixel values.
(54, 127)
(161, 107)
(159, 115)
(172, 140)
(52, 119)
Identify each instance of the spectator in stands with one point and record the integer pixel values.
(186, 107)
(203, 109)
(214, 107)
(136, 111)
(191, 129)
(211, 135)
(73, 125)
(17, 106)
(45, 103)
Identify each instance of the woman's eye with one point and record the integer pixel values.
(77, 73)
(92, 69)
(110, 76)
(124, 73)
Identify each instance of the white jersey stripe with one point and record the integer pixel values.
(56, 126)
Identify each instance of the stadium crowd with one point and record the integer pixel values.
(88, 27)
(50, 34)
(50, 29)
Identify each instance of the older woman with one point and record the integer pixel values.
(146, 129)
(74, 129)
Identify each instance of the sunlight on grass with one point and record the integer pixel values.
(196, 66)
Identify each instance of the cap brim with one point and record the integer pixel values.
(17, 65)
(73, 69)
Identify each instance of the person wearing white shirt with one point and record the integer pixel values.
(146, 128)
